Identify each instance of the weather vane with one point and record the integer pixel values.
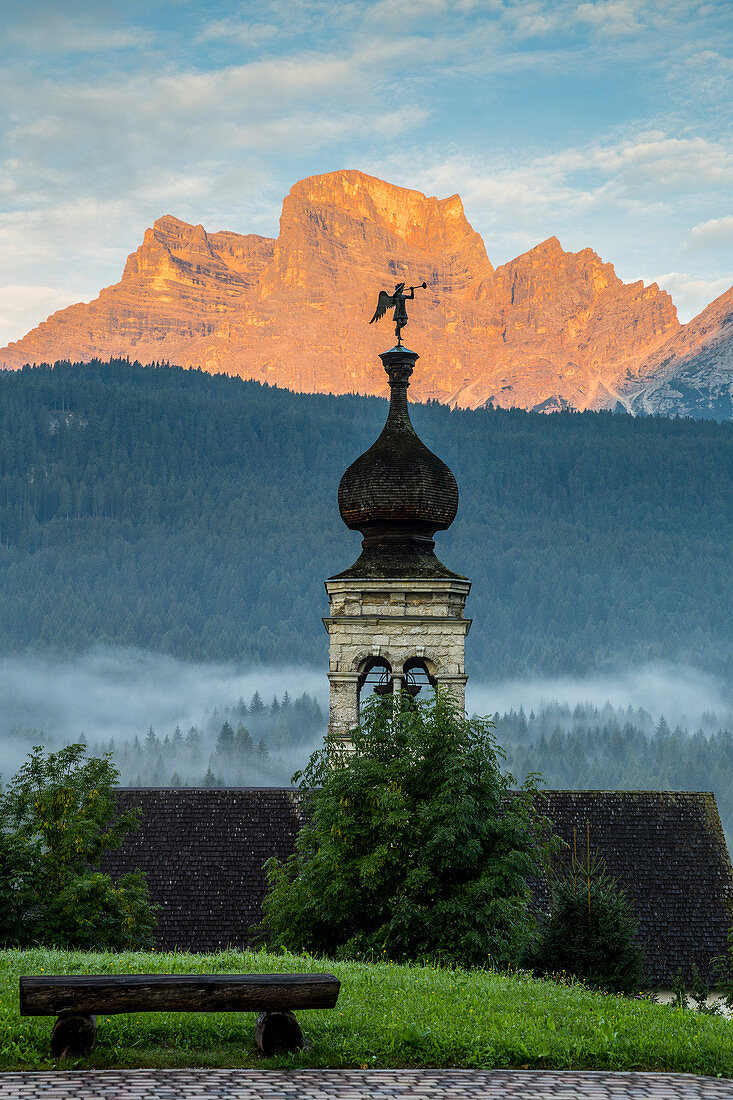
(398, 299)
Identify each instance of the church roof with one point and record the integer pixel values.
(204, 849)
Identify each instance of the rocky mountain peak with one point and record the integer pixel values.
(549, 329)
(410, 215)
(691, 372)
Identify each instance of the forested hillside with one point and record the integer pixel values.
(197, 515)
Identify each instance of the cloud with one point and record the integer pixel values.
(715, 233)
(242, 33)
(44, 238)
(384, 12)
(668, 164)
(642, 168)
(635, 180)
(102, 127)
(52, 31)
(24, 307)
(535, 24)
(693, 293)
(612, 17)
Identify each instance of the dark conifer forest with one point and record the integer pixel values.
(196, 515)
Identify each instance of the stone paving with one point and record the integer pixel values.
(430, 1084)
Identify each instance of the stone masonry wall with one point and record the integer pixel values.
(395, 620)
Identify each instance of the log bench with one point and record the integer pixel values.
(77, 999)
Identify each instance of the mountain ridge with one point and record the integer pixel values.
(549, 329)
(692, 372)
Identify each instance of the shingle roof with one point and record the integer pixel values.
(203, 851)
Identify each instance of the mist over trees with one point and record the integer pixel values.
(615, 748)
(196, 515)
(242, 745)
(262, 742)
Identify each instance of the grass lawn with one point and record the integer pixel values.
(386, 1015)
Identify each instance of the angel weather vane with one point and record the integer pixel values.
(387, 301)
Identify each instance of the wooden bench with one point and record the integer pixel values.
(77, 999)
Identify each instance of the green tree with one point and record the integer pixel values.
(225, 740)
(57, 819)
(256, 706)
(723, 969)
(412, 845)
(590, 930)
(243, 742)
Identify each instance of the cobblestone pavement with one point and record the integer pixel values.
(436, 1084)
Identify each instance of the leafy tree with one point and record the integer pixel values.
(412, 846)
(57, 819)
(590, 931)
(13, 886)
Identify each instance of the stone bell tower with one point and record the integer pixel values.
(396, 620)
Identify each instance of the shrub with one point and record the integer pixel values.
(723, 971)
(57, 818)
(411, 847)
(589, 933)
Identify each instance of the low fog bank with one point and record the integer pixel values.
(651, 728)
(111, 696)
(685, 696)
(168, 721)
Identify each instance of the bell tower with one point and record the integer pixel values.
(397, 615)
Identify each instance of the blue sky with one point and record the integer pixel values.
(606, 123)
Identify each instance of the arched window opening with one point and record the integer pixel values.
(375, 679)
(417, 679)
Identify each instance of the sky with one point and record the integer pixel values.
(605, 123)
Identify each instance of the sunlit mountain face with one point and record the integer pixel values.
(548, 330)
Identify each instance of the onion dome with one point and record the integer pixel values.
(398, 493)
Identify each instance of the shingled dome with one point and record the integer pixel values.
(398, 493)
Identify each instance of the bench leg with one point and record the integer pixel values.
(73, 1036)
(278, 1033)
